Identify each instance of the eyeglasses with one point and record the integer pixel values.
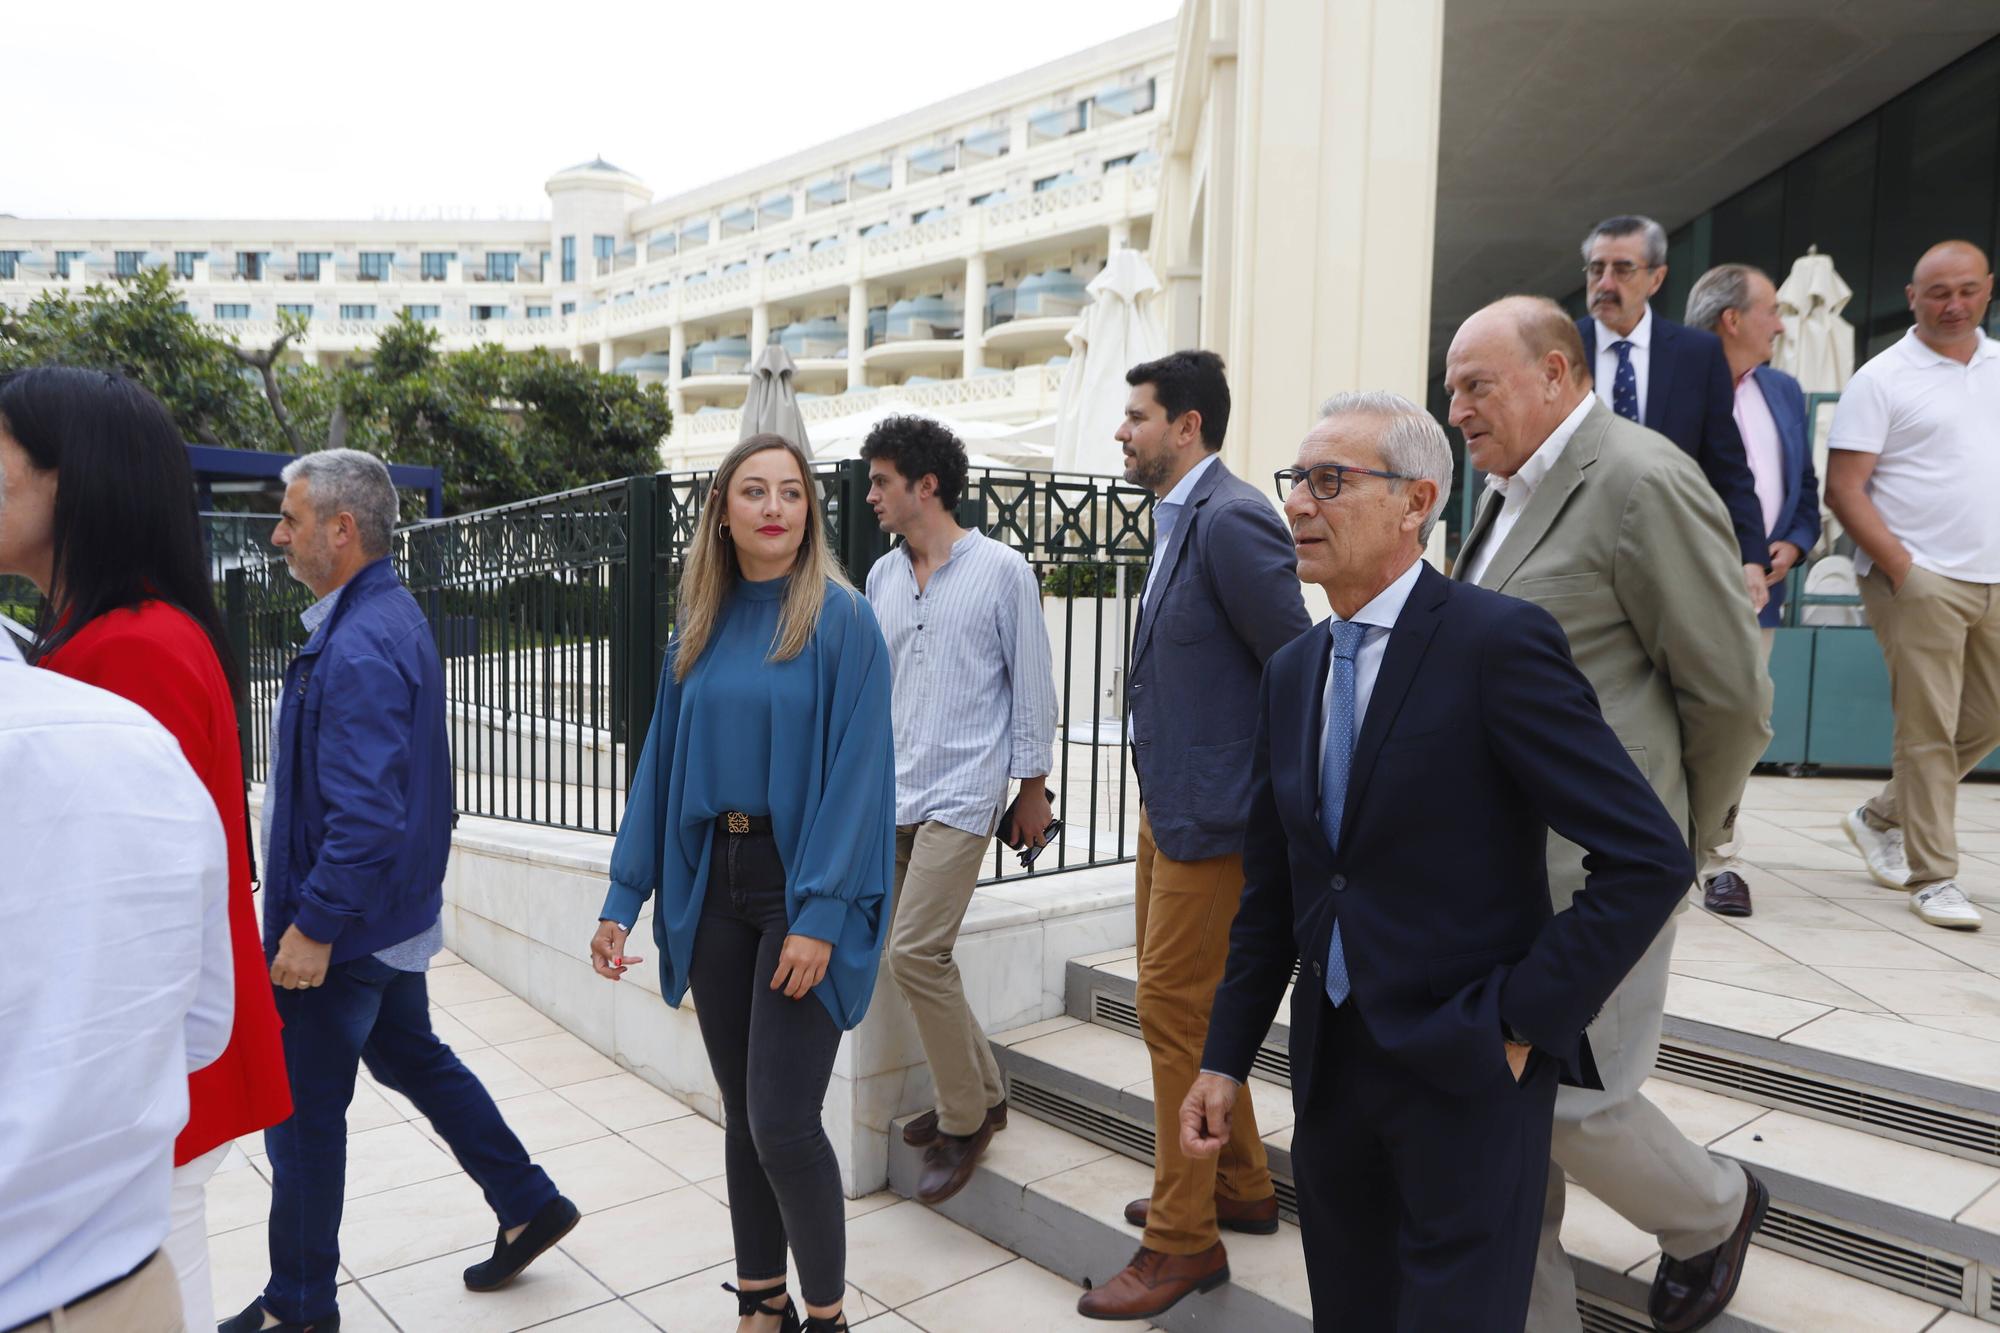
(1324, 480)
(1034, 849)
(1622, 270)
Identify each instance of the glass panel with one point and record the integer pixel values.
(1829, 203)
(1747, 229)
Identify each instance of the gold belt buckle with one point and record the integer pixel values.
(736, 822)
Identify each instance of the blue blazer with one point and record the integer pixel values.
(1691, 399)
(1798, 519)
(361, 803)
(1226, 597)
(1444, 909)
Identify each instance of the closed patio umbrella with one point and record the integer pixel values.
(772, 404)
(1115, 332)
(1817, 346)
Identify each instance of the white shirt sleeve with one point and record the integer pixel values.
(1861, 417)
(213, 1014)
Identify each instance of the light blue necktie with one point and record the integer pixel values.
(1625, 383)
(1333, 767)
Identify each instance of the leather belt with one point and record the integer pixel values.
(735, 821)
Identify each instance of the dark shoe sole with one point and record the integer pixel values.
(1269, 1228)
(1725, 909)
(1762, 1193)
(925, 1137)
(547, 1245)
(1201, 1288)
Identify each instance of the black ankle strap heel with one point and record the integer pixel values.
(758, 1302)
(825, 1324)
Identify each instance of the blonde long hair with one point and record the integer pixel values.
(712, 569)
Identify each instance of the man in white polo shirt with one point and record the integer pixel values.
(1912, 474)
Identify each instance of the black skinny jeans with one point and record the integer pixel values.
(773, 1058)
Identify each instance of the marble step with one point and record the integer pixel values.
(1902, 1218)
(1055, 1197)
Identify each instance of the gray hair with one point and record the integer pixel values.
(1414, 444)
(348, 481)
(1632, 224)
(1724, 287)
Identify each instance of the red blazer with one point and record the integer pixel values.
(161, 659)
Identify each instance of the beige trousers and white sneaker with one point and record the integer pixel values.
(937, 868)
(1729, 855)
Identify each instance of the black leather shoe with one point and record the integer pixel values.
(1689, 1293)
(923, 1131)
(1727, 895)
(556, 1219)
(251, 1318)
(949, 1163)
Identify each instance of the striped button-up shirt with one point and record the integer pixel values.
(975, 699)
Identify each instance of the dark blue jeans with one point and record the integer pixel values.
(369, 1011)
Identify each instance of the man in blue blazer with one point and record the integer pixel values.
(1412, 757)
(1739, 305)
(1222, 596)
(1666, 376)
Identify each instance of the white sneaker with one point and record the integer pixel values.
(1882, 849)
(1944, 904)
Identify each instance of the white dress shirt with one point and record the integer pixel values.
(117, 984)
(1177, 496)
(1641, 354)
(1380, 616)
(1518, 489)
(1762, 447)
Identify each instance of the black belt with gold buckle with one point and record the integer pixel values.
(735, 821)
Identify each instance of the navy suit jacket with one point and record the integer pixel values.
(1226, 597)
(1798, 519)
(1691, 399)
(1481, 736)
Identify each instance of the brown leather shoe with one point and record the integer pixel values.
(923, 1131)
(1153, 1283)
(1689, 1293)
(1727, 895)
(949, 1163)
(1258, 1218)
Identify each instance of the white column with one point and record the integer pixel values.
(1120, 237)
(677, 346)
(857, 333)
(760, 328)
(975, 315)
(607, 357)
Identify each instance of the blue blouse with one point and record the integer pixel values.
(806, 742)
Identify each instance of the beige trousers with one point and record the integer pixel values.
(1941, 640)
(937, 867)
(1729, 855)
(149, 1301)
(1623, 1149)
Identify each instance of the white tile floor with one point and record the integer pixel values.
(654, 1243)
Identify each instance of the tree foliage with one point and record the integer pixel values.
(499, 425)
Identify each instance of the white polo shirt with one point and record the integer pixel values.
(1935, 426)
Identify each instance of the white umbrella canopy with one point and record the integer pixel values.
(1817, 346)
(1116, 331)
(771, 407)
(988, 443)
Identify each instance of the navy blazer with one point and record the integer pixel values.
(1226, 597)
(1443, 905)
(1691, 399)
(1798, 519)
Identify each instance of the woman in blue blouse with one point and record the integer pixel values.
(763, 815)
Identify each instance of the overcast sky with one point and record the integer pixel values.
(373, 108)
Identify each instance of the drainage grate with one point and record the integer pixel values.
(1115, 1011)
(1890, 1263)
(1960, 1133)
(1080, 1117)
(1599, 1317)
(1993, 1293)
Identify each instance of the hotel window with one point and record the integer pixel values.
(569, 259)
(489, 312)
(309, 264)
(934, 161)
(603, 247)
(542, 273)
(1112, 164)
(358, 313)
(8, 260)
(1056, 124)
(180, 307)
(125, 263)
(185, 260)
(427, 313)
(250, 265)
(569, 308)
(376, 264)
(302, 311)
(232, 311)
(64, 258)
(434, 265)
(501, 265)
(537, 312)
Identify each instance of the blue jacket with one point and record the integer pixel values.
(1226, 597)
(1798, 519)
(361, 803)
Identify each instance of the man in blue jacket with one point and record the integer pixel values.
(357, 824)
(1738, 304)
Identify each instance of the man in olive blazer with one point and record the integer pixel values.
(1614, 531)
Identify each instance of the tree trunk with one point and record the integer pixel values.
(266, 362)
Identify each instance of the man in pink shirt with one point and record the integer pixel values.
(1738, 304)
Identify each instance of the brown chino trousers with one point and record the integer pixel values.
(1185, 909)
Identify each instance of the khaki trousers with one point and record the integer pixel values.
(1184, 911)
(149, 1301)
(937, 868)
(1729, 855)
(1623, 1149)
(1941, 639)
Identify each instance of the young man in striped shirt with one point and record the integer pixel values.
(974, 706)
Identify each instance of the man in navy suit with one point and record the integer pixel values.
(1666, 376)
(1411, 757)
(1738, 304)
